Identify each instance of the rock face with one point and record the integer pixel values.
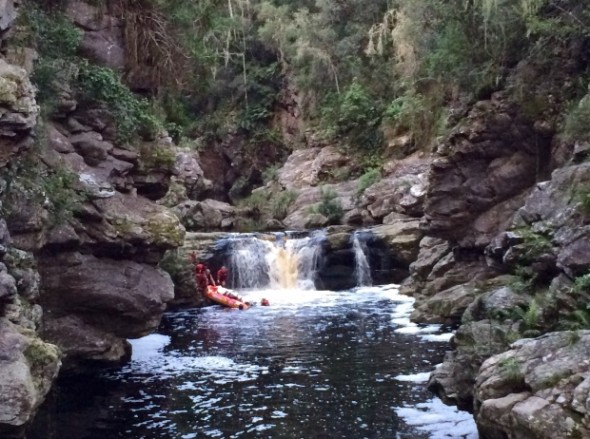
(28, 365)
(19, 110)
(103, 34)
(540, 388)
(488, 160)
(99, 268)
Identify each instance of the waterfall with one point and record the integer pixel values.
(274, 261)
(362, 270)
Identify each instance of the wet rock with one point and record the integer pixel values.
(131, 297)
(474, 342)
(446, 307)
(85, 345)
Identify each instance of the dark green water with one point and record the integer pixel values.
(312, 365)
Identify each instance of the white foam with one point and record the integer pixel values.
(421, 377)
(148, 347)
(440, 421)
(445, 338)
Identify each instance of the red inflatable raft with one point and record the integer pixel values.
(219, 295)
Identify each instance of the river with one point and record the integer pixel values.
(314, 364)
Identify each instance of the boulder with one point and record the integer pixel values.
(85, 345)
(118, 296)
(446, 307)
(91, 147)
(309, 202)
(28, 367)
(189, 174)
(402, 238)
(540, 388)
(474, 342)
(311, 167)
(207, 215)
(402, 189)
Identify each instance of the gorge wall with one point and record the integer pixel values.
(81, 239)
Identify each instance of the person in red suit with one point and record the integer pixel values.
(222, 274)
(203, 277)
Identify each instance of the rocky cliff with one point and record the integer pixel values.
(81, 237)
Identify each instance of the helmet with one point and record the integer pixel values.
(200, 266)
(264, 302)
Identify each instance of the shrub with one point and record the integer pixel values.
(523, 280)
(534, 245)
(53, 34)
(330, 206)
(510, 369)
(132, 115)
(60, 190)
(417, 114)
(354, 115)
(576, 121)
(582, 284)
(281, 203)
(257, 200)
(270, 174)
(366, 180)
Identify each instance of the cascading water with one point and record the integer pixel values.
(274, 261)
(362, 270)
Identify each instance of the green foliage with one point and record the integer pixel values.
(583, 197)
(577, 320)
(582, 284)
(366, 180)
(354, 115)
(57, 69)
(63, 194)
(132, 115)
(52, 33)
(531, 318)
(57, 40)
(329, 206)
(281, 203)
(418, 114)
(257, 201)
(523, 281)
(510, 370)
(534, 245)
(576, 122)
(156, 157)
(270, 174)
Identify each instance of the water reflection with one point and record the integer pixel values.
(314, 365)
